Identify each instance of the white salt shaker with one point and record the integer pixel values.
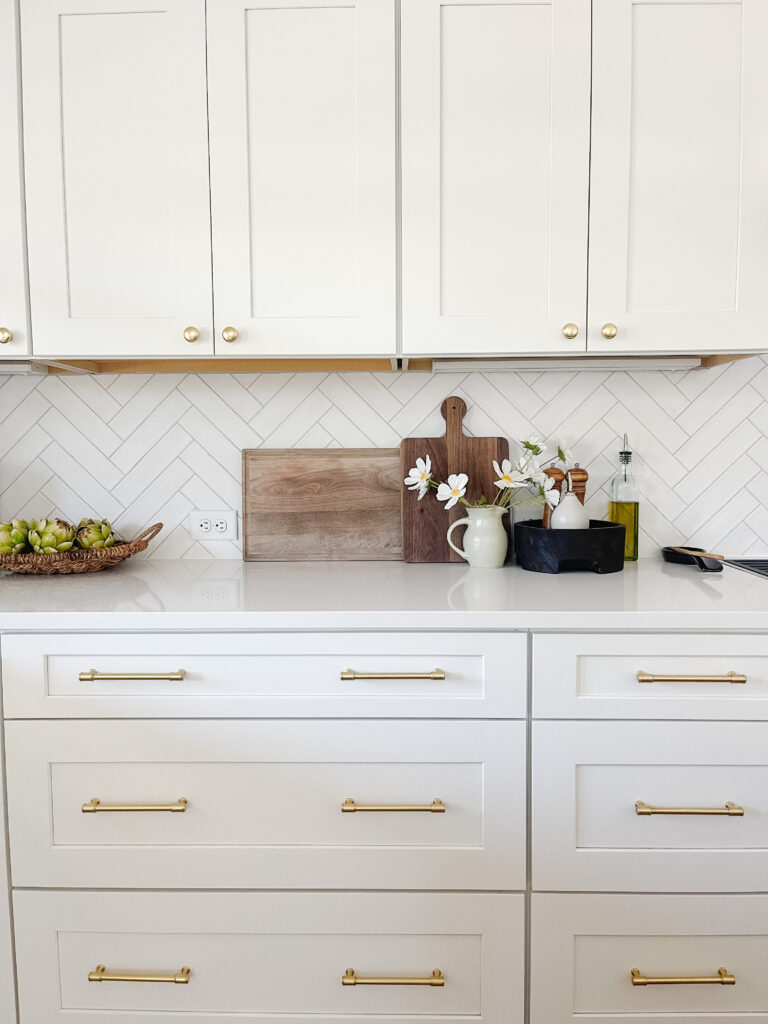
(570, 514)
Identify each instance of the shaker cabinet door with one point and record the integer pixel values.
(302, 119)
(14, 339)
(679, 205)
(495, 140)
(7, 996)
(115, 141)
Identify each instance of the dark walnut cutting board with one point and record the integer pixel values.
(321, 504)
(425, 522)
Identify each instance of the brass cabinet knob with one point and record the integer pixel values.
(609, 331)
(5, 336)
(229, 334)
(191, 334)
(570, 331)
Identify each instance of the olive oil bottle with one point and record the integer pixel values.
(624, 504)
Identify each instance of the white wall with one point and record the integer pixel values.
(143, 448)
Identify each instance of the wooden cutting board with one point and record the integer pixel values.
(321, 504)
(425, 522)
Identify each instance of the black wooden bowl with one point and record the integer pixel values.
(598, 549)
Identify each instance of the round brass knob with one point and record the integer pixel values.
(229, 334)
(570, 331)
(609, 331)
(191, 334)
(5, 336)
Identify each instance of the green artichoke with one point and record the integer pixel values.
(94, 534)
(14, 537)
(49, 536)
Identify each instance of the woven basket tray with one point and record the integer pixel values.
(78, 560)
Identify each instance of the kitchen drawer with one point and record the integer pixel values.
(480, 675)
(583, 949)
(264, 804)
(596, 676)
(275, 958)
(589, 776)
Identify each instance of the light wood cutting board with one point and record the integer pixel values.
(426, 522)
(321, 504)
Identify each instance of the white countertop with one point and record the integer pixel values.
(158, 594)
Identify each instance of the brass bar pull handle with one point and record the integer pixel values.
(101, 974)
(349, 674)
(731, 810)
(728, 677)
(436, 980)
(92, 676)
(96, 805)
(350, 807)
(721, 978)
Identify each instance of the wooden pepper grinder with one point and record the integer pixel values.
(579, 479)
(558, 476)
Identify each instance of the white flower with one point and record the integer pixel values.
(419, 477)
(453, 490)
(508, 477)
(534, 471)
(549, 493)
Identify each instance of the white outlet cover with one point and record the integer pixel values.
(199, 519)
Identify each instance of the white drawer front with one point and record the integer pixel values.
(7, 995)
(596, 676)
(481, 675)
(269, 957)
(590, 779)
(584, 948)
(264, 804)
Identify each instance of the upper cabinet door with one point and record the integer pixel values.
(13, 301)
(679, 201)
(302, 112)
(495, 136)
(115, 141)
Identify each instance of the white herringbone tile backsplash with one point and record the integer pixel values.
(141, 448)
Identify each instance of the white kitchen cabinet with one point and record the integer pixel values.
(261, 804)
(640, 675)
(678, 259)
(262, 675)
(14, 335)
(650, 806)
(584, 948)
(495, 149)
(293, 106)
(115, 142)
(271, 958)
(302, 135)
(7, 986)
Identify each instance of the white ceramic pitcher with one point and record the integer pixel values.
(485, 540)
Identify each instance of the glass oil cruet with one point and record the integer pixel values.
(624, 503)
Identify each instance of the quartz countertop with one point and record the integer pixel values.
(158, 594)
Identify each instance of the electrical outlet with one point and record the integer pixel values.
(221, 525)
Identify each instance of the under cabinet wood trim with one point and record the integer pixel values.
(219, 364)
